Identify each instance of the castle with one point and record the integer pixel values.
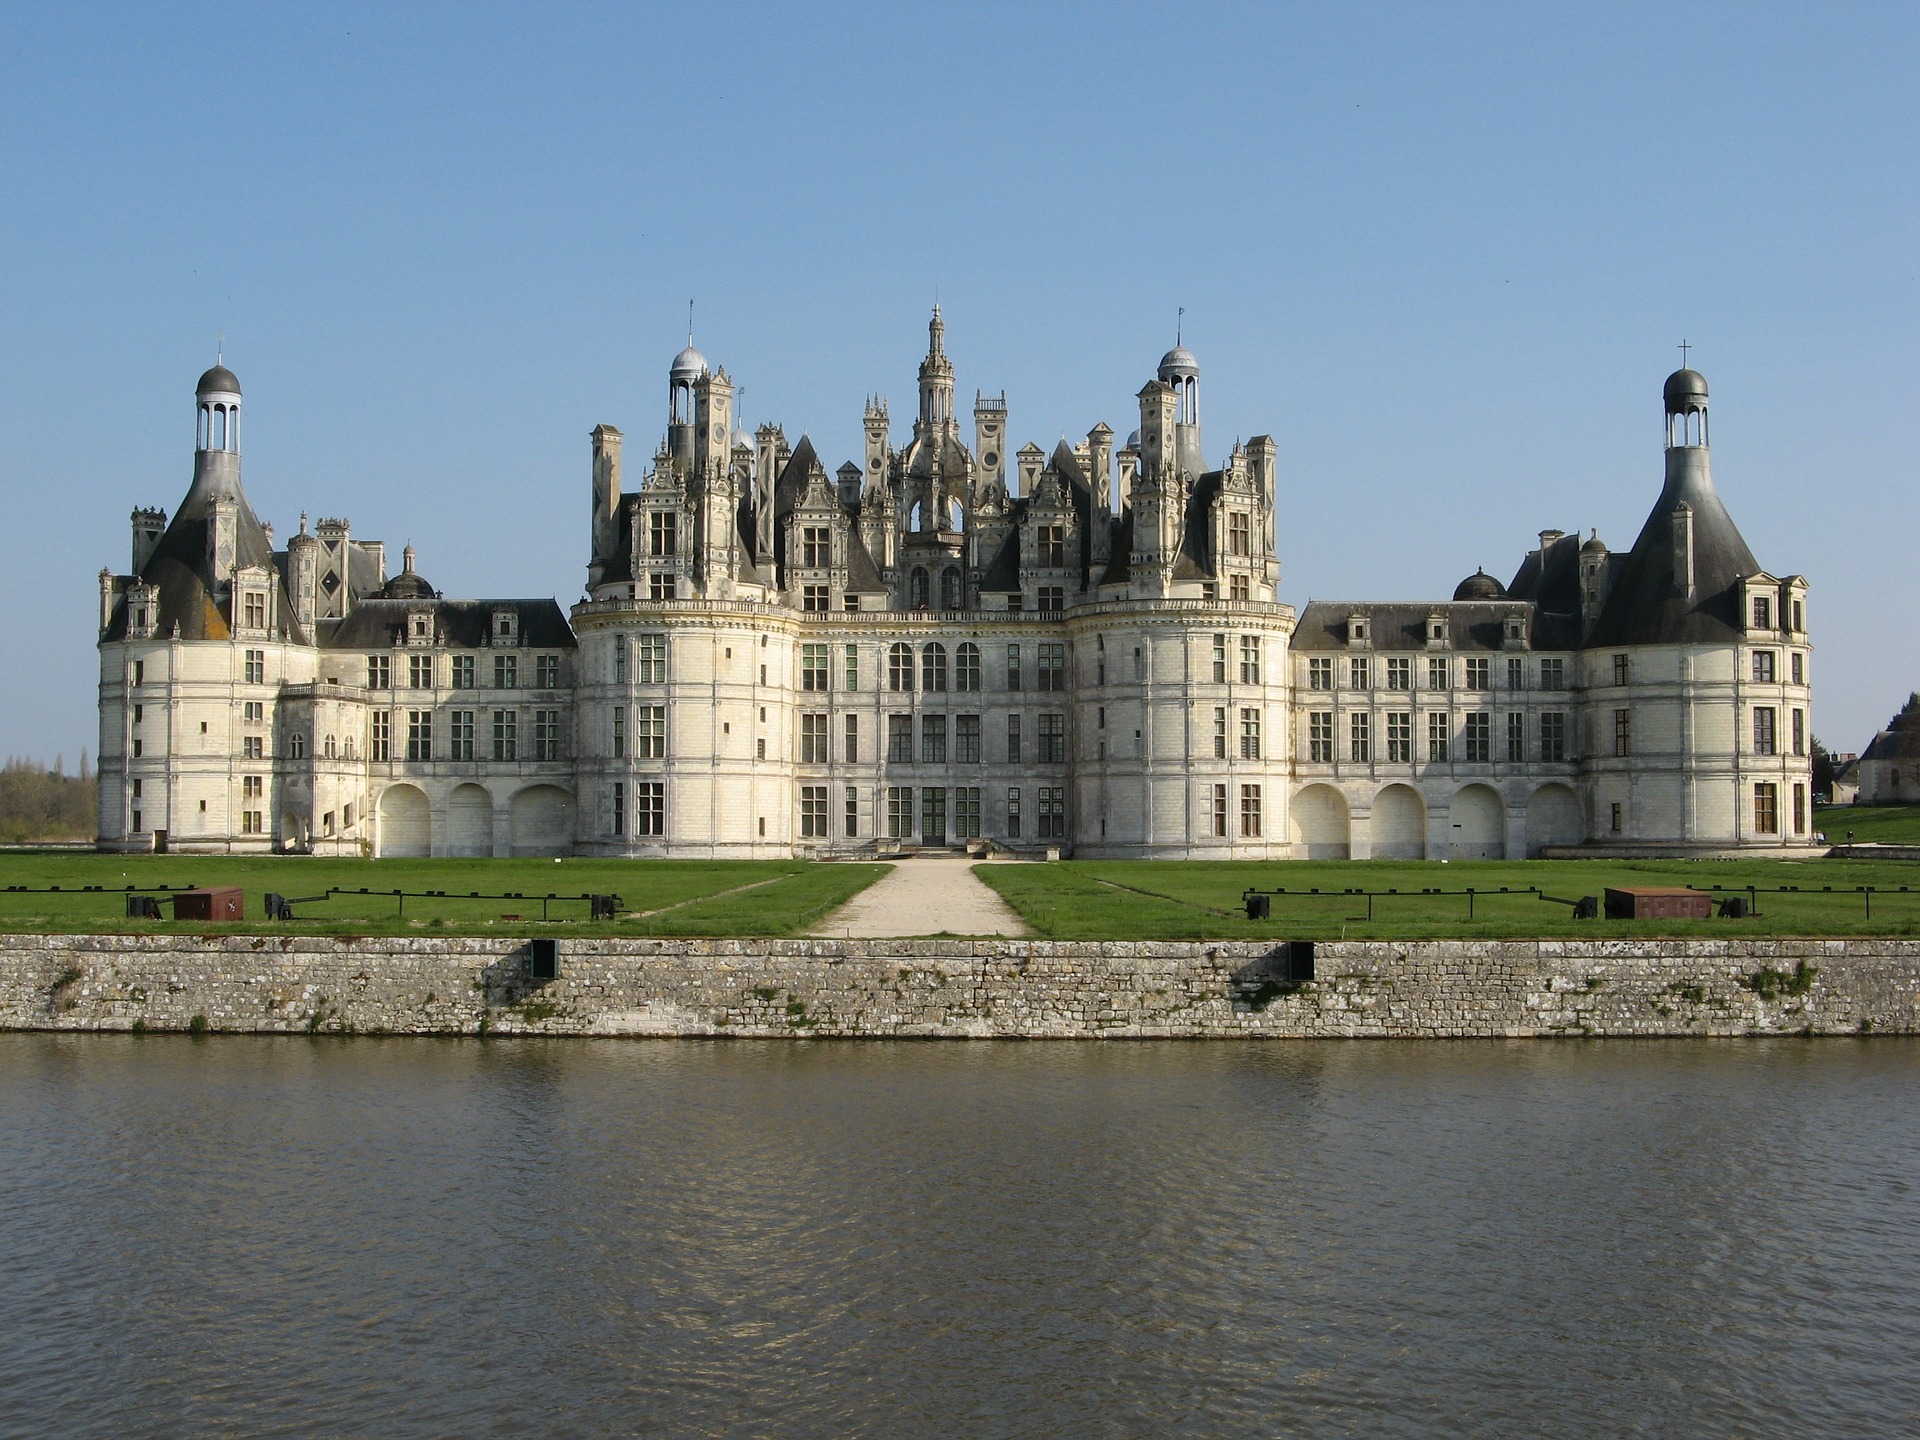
(1080, 650)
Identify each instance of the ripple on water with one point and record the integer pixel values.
(291, 1237)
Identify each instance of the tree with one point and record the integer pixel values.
(1823, 771)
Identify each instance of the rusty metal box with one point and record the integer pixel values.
(218, 902)
(1658, 902)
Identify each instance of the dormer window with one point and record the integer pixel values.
(1762, 612)
(816, 547)
(253, 610)
(506, 627)
(420, 628)
(663, 532)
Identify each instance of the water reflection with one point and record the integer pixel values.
(437, 1237)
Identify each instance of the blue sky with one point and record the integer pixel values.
(1444, 254)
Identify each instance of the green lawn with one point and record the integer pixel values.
(1870, 824)
(658, 897)
(1173, 899)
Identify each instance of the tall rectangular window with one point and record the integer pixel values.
(1623, 732)
(1400, 674)
(966, 666)
(1516, 736)
(1013, 812)
(1249, 659)
(1516, 673)
(1053, 812)
(933, 815)
(463, 672)
(1553, 736)
(1764, 667)
(663, 532)
(813, 746)
(546, 734)
(256, 611)
(650, 807)
(1053, 740)
(419, 735)
(899, 739)
(653, 660)
(1013, 739)
(853, 812)
(1360, 736)
(1219, 809)
(1052, 669)
(900, 666)
(1553, 674)
(1400, 737)
(379, 672)
(813, 812)
(1359, 674)
(1052, 546)
(1799, 732)
(650, 731)
(1799, 668)
(1438, 730)
(1479, 673)
(1013, 667)
(816, 549)
(966, 812)
(257, 667)
(1320, 737)
(619, 662)
(506, 734)
(1762, 613)
(933, 739)
(380, 745)
(1249, 734)
(1764, 739)
(1220, 660)
(506, 672)
(619, 807)
(1250, 811)
(1239, 534)
(1479, 738)
(460, 727)
(619, 732)
(899, 812)
(852, 739)
(1622, 669)
(1766, 808)
(1436, 674)
(419, 672)
(1219, 732)
(546, 672)
(813, 667)
(850, 678)
(966, 741)
(1799, 809)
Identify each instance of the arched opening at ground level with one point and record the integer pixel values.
(1399, 824)
(1477, 824)
(542, 821)
(1554, 817)
(1322, 828)
(406, 823)
(470, 821)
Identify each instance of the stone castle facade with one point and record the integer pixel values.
(948, 642)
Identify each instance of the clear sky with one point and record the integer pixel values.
(1443, 254)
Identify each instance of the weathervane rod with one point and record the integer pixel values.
(1179, 327)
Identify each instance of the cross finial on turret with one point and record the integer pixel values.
(1179, 326)
(1684, 347)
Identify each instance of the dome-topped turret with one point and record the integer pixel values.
(688, 366)
(218, 381)
(409, 584)
(1480, 586)
(1179, 364)
(1594, 545)
(1685, 390)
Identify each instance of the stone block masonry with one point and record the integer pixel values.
(948, 989)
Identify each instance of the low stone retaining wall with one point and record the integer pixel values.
(959, 989)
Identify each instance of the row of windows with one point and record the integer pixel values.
(501, 739)
(1473, 745)
(1050, 739)
(1397, 672)
(1050, 812)
(420, 672)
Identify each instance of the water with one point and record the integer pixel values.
(246, 1236)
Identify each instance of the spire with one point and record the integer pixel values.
(936, 333)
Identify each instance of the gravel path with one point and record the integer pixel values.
(924, 896)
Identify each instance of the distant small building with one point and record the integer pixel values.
(1889, 768)
(1846, 780)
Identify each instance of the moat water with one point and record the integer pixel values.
(243, 1236)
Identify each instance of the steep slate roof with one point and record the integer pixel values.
(463, 624)
(1901, 739)
(1403, 626)
(179, 569)
(1645, 607)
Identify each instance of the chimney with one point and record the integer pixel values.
(1683, 549)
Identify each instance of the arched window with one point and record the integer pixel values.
(917, 589)
(966, 666)
(952, 593)
(933, 667)
(900, 666)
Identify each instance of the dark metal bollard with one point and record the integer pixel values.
(1259, 907)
